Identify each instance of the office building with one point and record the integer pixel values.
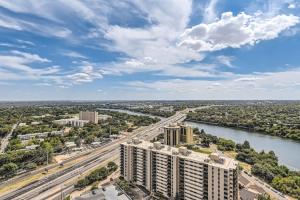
(90, 116)
(177, 173)
(175, 134)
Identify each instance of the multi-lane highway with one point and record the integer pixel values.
(46, 187)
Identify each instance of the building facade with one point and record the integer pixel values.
(71, 122)
(175, 134)
(39, 135)
(177, 173)
(90, 116)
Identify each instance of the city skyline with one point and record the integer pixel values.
(153, 50)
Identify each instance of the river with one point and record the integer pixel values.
(286, 150)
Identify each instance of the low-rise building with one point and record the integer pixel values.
(70, 145)
(35, 123)
(177, 173)
(71, 122)
(39, 135)
(104, 117)
(22, 124)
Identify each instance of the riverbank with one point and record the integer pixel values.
(284, 148)
(239, 128)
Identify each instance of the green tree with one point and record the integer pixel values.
(226, 145)
(31, 166)
(8, 170)
(111, 166)
(264, 197)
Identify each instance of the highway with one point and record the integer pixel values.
(47, 186)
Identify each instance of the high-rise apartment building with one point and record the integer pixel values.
(177, 173)
(178, 133)
(90, 116)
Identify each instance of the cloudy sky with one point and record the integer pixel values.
(149, 49)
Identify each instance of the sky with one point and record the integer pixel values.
(149, 49)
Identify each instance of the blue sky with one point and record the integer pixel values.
(151, 49)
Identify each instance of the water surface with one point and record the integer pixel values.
(287, 150)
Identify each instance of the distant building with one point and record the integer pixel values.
(39, 135)
(72, 122)
(177, 173)
(22, 124)
(104, 117)
(70, 145)
(175, 134)
(166, 109)
(90, 116)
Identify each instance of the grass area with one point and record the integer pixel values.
(203, 150)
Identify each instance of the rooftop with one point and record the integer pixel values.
(215, 159)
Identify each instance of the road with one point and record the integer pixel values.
(45, 187)
(271, 191)
(4, 141)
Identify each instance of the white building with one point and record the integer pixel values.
(104, 117)
(72, 122)
(177, 173)
(39, 135)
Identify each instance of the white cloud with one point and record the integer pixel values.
(26, 42)
(17, 66)
(34, 27)
(157, 41)
(247, 79)
(19, 60)
(291, 6)
(9, 45)
(278, 85)
(86, 74)
(210, 13)
(236, 31)
(28, 57)
(74, 54)
(225, 60)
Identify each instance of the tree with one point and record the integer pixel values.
(8, 170)
(264, 197)
(246, 145)
(89, 139)
(78, 141)
(81, 183)
(111, 166)
(31, 166)
(226, 145)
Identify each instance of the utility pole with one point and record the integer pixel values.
(61, 194)
(47, 157)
